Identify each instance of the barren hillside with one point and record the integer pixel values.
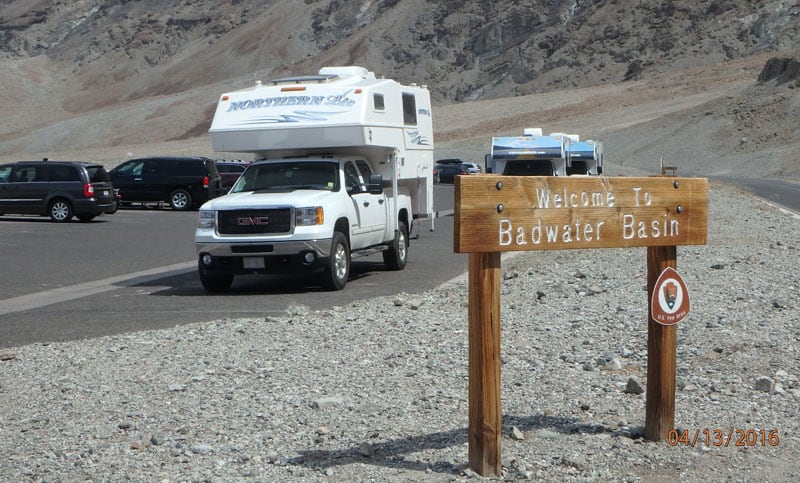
(105, 80)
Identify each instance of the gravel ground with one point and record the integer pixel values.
(377, 390)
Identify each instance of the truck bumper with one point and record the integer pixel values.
(264, 257)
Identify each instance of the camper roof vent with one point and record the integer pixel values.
(304, 79)
(532, 131)
(347, 71)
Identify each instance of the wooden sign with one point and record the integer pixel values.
(523, 213)
(519, 213)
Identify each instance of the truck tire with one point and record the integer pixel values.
(218, 282)
(396, 256)
(180, 200)
(338, 269)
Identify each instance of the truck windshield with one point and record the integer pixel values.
(529, 167)
(289, 176)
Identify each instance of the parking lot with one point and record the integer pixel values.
(135, 270)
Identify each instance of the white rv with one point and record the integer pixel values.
(586, 158)
(532, 154)
(343, 165)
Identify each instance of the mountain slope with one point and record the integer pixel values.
(103, 78)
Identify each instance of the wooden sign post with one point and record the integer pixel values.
(496, 213)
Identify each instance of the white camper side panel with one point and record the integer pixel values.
(341, 111)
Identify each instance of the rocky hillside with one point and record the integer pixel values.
(85, 74)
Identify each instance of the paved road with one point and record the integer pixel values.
(780, 192)
(135, 270)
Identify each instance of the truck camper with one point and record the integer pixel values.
(586, 158)
(532, 154)
(343, 166)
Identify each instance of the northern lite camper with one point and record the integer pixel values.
(343, 164)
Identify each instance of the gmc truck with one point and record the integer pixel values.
(343, 166)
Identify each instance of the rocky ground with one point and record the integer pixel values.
(377, 390)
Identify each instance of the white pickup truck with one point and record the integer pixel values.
(343, 165)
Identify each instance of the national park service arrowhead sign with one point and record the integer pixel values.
(670, 302)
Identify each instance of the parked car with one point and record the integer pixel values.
(446, 173)
(450, 161)
(183, 182)
(473, 168)
(59, 189)
(230, 171)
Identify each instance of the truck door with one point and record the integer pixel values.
(371, 209)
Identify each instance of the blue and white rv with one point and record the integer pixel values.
(532, 154)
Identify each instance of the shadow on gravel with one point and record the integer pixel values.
(394, 453)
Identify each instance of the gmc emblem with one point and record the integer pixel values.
(252, 220)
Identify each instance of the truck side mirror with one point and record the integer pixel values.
(375, 184)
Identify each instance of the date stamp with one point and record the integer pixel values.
(724, 437)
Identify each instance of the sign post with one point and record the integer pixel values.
(496, 213)
(484, 363)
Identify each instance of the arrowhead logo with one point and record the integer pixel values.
(670, 303)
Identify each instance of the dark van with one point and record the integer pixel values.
(183, 182)
(59, 189)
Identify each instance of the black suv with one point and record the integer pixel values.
(183, 182)
(60, 189)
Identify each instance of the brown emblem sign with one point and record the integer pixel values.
(670, 302)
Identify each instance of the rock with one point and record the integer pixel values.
(202, 449)
(765, 384)
(547, 434)
(516, 434)
(327, 402)
(633, 387)
(158, 439)
(7, 356)
(366, 449)
(779, 304)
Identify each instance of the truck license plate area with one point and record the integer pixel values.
(253, 262)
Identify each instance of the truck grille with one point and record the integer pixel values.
(246, 222)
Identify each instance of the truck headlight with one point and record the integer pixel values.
(207, 219)
(308, 216)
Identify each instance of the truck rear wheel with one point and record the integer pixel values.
(396, 256)
(218, 282)
(338, 269)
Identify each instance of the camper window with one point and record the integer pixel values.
(377, 101)
(409, 109)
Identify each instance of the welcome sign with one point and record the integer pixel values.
(523, 213)
(517, 213)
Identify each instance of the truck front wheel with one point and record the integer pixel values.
(215, 282)
(396, 256)
(338, 269)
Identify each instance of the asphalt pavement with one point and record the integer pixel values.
(135, 270)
